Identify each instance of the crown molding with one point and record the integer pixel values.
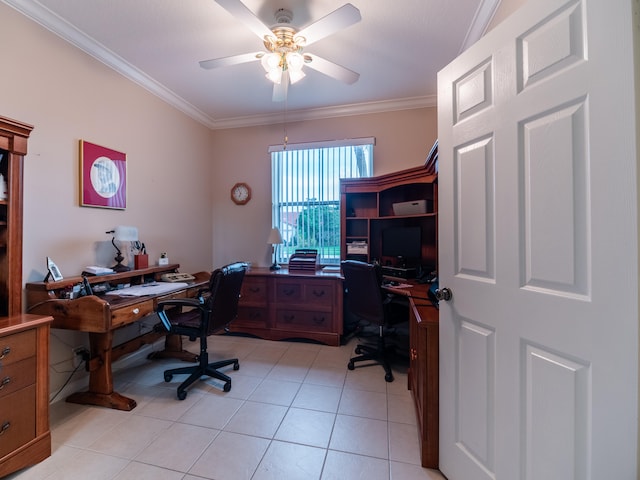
(328, 112)
(60, 27)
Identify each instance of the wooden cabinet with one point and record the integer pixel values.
(13, 147)
(369, 206)
(423, 376)
(25, 438)
(279, 305)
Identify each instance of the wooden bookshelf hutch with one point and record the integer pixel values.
(366, 210)
(24, 339)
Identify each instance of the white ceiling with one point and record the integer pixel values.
(397, 48)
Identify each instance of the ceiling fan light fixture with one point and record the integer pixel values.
(270, 61)
(275, 75)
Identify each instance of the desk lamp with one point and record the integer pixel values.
(274, 240)
(122, 234)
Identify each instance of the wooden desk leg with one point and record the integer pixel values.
(101, 377)
(173, 349)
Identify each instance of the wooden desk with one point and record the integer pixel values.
(423, 375)
(281, 304)
(100, 316)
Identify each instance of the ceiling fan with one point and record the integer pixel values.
(284, 59)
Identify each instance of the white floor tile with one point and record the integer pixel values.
(231, 456)
(308, 427)
(294, 411)
(290, 461)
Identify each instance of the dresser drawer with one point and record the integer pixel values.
(304, 320)
(254, 291)
(17, 419)
(289, 292)
(257, 317)
(318, 293)
(16, 347)
(130, 314)
(17, 375)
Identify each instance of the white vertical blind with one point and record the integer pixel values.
(306, 193)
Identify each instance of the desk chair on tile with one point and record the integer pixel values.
(366, 300)
(213, 309)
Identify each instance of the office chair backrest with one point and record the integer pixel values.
(224, 285)
(363, 282)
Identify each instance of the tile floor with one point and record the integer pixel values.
(294, 412)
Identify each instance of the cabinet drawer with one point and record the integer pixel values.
(289, 292)
(16, 347)
(304, 320)
(252, 317)
(17, 419)
(131, 314)
(17, 375)
(254, 290)
(318, 293)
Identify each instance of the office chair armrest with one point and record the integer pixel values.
(176, 302)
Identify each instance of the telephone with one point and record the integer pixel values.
(177, 277)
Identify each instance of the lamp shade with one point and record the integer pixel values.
(274, 237)
(125, 234)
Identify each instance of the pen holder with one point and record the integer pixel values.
(141, 261)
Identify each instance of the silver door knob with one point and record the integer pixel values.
(444, 294)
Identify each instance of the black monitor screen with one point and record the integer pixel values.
(404, 242)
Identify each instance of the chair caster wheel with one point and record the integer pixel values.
(182, 395)
(388, 377)
(227, 387)
(167, 377)
(236, 366)
(350, 366)
(358, 350)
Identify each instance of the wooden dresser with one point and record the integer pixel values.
(280, 304)
(25, 438)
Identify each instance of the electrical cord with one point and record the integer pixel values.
(66, 382)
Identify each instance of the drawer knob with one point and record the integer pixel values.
(5, 427)
(5, 351)
(288, 292)
(318, 320)
(5, 381)
(136, 311)
(289, 318)
(254, 289)
(319, 293)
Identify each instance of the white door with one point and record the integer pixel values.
(538, 243)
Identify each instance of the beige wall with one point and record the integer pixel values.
(67, 96)
(403, 140)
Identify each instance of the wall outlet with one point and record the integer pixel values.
(80, 354)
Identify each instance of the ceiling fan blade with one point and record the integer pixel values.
(232, 60)
(246, 16)
(280, 89)
(343, 17)
(331, 69)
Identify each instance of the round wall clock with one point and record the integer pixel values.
(240, 193)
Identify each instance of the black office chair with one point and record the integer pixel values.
(366, 300)
(211, 311)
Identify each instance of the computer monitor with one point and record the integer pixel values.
(404, 243)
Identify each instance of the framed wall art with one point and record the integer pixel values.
(103, 177)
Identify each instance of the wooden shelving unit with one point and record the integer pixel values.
(366, 210)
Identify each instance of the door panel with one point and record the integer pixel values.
(538, 243)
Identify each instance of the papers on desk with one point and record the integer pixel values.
(156, 288)
(396, 285)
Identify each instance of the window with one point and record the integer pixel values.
(306, 193)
